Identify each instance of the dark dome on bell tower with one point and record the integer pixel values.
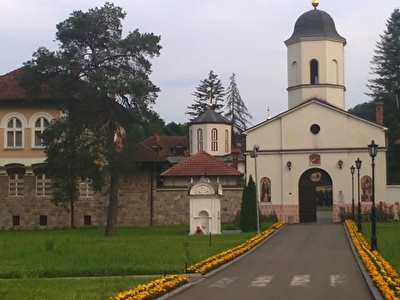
(315, 24)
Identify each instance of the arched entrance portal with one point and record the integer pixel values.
(315, 188)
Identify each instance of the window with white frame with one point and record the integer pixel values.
(14, 133)
(40, 125)
(16, 185)
(85, 188)
(199, 140)
(43, 185)
(214, 139)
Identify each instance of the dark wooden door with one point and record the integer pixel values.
(308, 183)
(308, 204)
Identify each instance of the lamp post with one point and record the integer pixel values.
(254, 154)
(373, 149)
(352, 169)
(358, 167)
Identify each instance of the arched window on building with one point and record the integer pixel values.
(314, 71)
(40, 125)
(226, 141)
(199, 140)
(214, 139)
(85, 189)
(14, 133)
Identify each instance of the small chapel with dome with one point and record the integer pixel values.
(311, 147)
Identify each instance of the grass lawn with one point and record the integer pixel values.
(388, 240)
(29, 259)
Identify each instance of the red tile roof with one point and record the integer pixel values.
(201, 164)
(166, 144)
(145, 154)
(9, 86)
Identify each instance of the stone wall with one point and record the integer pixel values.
(136, 201)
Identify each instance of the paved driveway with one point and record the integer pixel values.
(303, 261)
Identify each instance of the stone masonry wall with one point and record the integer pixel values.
(170, 206)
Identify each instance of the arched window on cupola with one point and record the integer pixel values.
(214, 139)
(314, 71)
(199, 140)
(226, 141)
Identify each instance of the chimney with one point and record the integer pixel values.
(235, 159)
(157, 137)
(379, 112)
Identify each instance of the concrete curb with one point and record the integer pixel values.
(374, 291)
(196, 277)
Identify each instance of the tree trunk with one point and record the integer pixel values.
(112, 207)
(73, 214)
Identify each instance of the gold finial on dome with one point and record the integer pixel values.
(315, 3)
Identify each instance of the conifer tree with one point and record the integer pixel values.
(100, 80)
(210, 92)
(386, 68)
(248, 211)
(236, 110)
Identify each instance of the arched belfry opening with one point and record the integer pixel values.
(315, 193)
(314, 72)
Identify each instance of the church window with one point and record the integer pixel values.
(315, 128)
(199, 140)
(14, 133)
(43, 185)
(40, 125)
(314, 71)
(214, 139)
(226, 141)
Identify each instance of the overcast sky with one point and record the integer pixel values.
(226, 36)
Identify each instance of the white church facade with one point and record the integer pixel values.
(311, 147)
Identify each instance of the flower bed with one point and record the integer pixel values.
(381, 272)
(219, 259)
(153, 289)
(161, 286)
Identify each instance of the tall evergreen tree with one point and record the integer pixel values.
(101, 82)
(236, 110)
(386, 68)
(248, 211)
(209, 92)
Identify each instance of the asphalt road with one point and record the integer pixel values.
(302, 261)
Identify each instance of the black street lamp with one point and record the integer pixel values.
(373, 149)
(352, 169)
(358, 167)
(254, 155)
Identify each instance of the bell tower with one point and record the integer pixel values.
(315, 57)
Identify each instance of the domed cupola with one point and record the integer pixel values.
(210, 132)
(314, 24)
(315, 60)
